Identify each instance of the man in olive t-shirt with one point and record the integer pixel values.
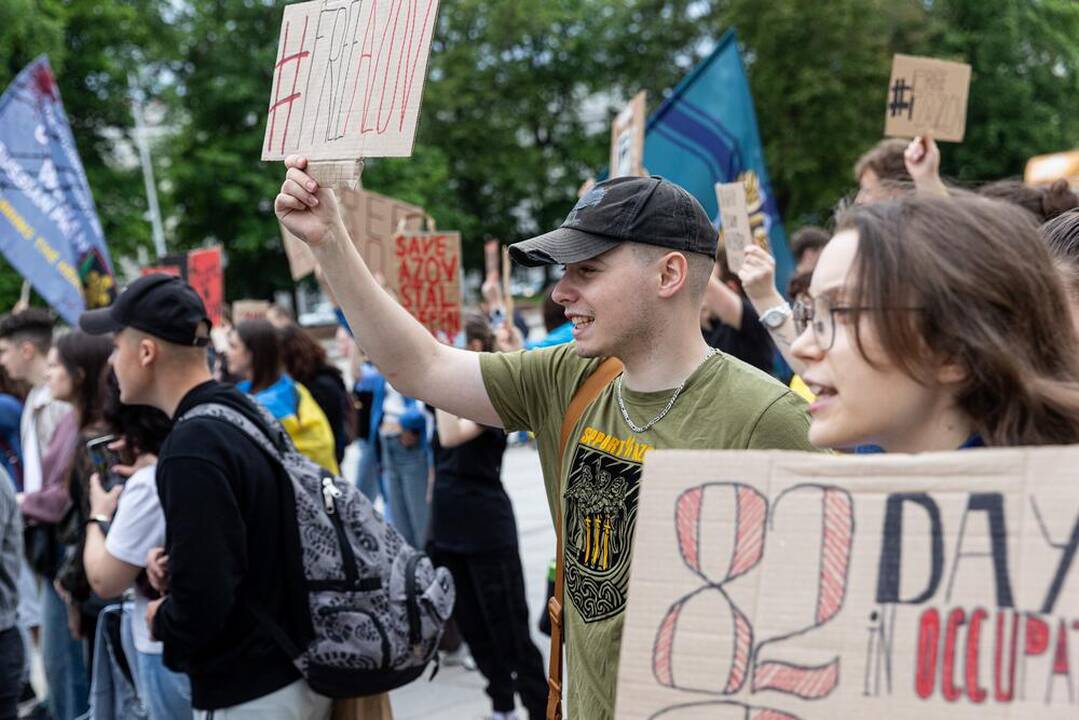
(638, 253)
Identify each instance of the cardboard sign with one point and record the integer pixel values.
(428, 279)
(206, 274)
(371, 220)
(348, 79)
(793, 586)
(249, 310)
(927, 96)
(1047, 169)
(627, 138)
(734, 221)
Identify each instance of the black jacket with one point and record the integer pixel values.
(234, 550)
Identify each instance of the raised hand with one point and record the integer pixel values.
(758, 274)
(306, 210)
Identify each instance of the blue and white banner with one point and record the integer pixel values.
(49, 229)
(706, 132)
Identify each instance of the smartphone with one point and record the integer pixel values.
(103, 460)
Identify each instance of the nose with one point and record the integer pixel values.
(805, 346)
(563, 292)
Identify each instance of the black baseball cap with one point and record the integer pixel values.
(160, 305)
(648, 210)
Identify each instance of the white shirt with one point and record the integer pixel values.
(139, 526)
(39, 420)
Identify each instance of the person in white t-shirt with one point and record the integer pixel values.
(116, 551)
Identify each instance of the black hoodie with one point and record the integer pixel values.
(233, 547)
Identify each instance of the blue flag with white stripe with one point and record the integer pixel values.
(706, 132)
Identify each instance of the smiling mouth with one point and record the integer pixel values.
(580, 321)
(822, 391)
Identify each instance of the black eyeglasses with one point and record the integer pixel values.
(819, 314)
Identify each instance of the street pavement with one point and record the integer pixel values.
(456, 693)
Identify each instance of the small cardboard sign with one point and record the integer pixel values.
(627, 138)
(427, 279)
(794, 586)
(348, 78)
(249, 310)
(734, 222)
(1047, 169)
(371, 220)
(926, 95)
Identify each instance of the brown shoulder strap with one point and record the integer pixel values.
(593, 385)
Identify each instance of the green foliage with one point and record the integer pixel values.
(519, 98)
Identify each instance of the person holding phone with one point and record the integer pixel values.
(126, 522)
(75, 366)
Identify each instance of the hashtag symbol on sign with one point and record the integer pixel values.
(293, 96)
(899, 101)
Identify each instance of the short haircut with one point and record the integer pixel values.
(33, 325)
(699, 266)
(806, 238)
(886, 161)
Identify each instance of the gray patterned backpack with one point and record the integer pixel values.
(377, 605)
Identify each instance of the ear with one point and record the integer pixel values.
(148, 352)
(951, 372)
(27, 349)
(673, 274)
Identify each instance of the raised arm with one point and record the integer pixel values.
(758, 278)
(408, 356)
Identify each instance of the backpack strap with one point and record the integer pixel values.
(593, 385)
(218, 411)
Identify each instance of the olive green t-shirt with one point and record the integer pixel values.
(726, 404)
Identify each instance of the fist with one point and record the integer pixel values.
(758, 273)
(305, 209)
(922, 158)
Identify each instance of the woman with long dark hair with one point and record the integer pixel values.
(255, 355)
(935, 324)
(305, 361)
(77, 364)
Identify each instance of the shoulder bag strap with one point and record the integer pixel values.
(600, 378)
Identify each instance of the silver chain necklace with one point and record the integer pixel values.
(670, 403)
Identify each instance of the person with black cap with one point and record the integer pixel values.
(230, 525)
(638, 253)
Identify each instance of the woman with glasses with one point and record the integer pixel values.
(935, 324)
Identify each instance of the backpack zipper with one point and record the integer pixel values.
(348, 559)
(412, 605)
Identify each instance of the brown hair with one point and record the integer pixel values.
(806, 238)
(989, 300)
(260, 339)
(477, 328)
(1045, 202)
(886, 161)
(303, 357)
(85, 357)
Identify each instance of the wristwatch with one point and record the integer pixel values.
(774, 317)
(101, 521)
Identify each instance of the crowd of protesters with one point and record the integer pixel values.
(143, 545)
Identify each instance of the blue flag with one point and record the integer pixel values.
(49, 229)
(705, 133)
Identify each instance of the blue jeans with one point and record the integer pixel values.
(65, 667)
(167, 695)
(406, 483)
(367, 470)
